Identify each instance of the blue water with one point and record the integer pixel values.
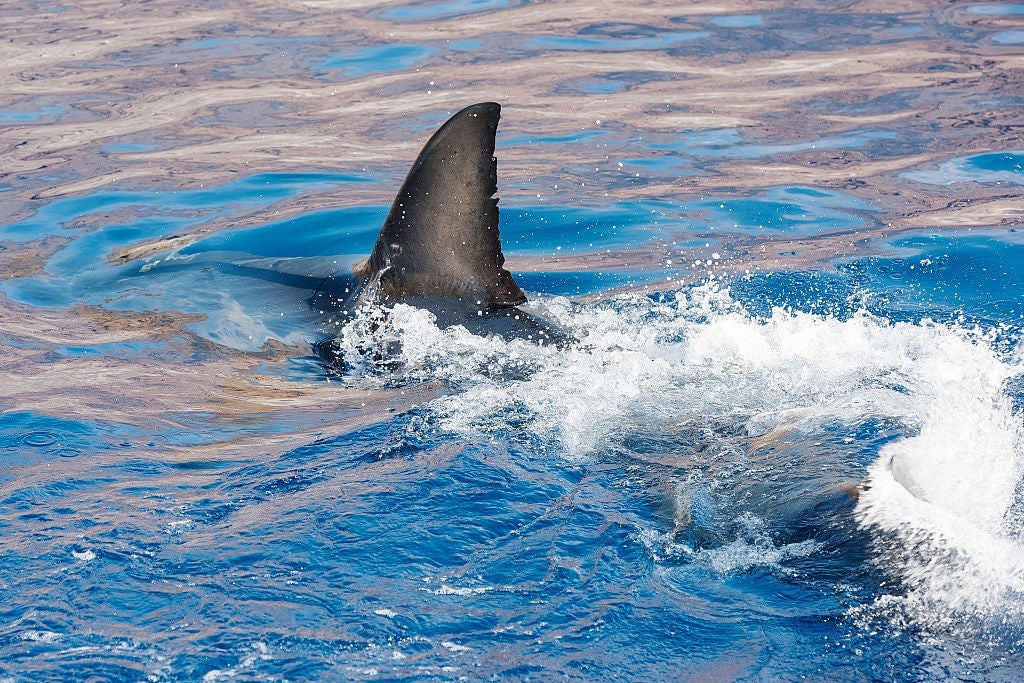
(440, 10)
(1006, 167)
(809, 467)
(375, 59)
(997, 10)
(413, 548)
(42, 115)
(738, 21)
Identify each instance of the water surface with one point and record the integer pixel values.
(786, 443)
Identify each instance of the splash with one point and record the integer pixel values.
(691, 356)
(781, 404)
(752, 547)
(946, 503)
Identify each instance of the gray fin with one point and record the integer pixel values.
(441, 237)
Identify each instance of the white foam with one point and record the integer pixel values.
(753, 547)
(945, 502)
(445, 589)
(696, 355)
(246, 667)
(83, 555)
(37, 636)
(946, 494)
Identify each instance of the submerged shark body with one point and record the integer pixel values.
(439, 248)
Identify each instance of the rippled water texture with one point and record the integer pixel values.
(786, 441)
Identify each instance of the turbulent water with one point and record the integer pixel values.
(783, 438)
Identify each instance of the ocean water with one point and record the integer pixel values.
(785, 441)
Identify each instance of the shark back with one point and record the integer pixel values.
(441, 237)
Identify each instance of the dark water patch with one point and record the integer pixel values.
(885, 103)
(590, 86)
(122, 350)
(467, 46)
(202, 465)
(824, 31)
(296, 368)
(152, 140)
(660, 164)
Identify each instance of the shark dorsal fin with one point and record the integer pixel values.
(441, 237)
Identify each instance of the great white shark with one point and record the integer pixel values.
(439, 248)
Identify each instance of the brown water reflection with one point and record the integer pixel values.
(163, 96)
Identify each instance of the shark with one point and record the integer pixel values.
(439, 248)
